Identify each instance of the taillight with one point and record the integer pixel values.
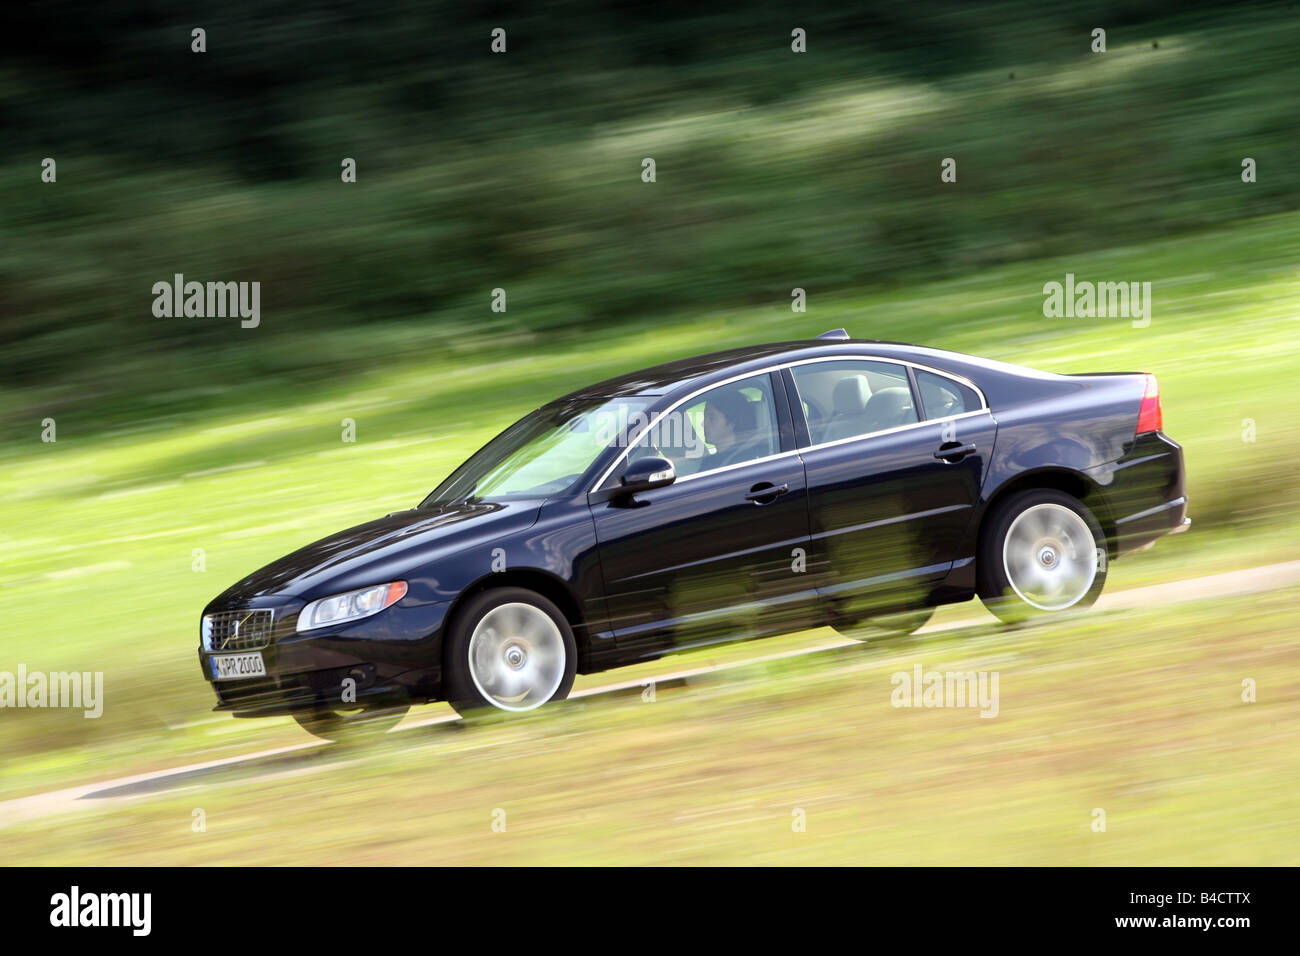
(1150, 416)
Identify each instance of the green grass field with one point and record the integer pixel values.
(1138, 714)
(99, 530)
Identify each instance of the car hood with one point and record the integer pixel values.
(386, 549)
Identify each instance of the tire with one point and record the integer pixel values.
(1041, 552)
(509, 650)
(886, 626)
(351, 725)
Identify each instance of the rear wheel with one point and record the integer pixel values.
(356, 724)
(1043, 552)
(509, 650)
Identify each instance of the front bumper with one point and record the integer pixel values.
(397, 654)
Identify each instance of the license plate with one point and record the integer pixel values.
(234, 666)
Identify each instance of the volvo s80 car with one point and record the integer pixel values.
(745, 493)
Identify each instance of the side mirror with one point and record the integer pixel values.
(646, 473)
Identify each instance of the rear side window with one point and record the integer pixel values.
(943, 397)
(851, 397)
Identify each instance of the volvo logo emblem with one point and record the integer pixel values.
(234, 630)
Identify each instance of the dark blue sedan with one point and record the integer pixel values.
(740, 494)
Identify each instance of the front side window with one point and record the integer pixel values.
(727, 425)
(850, 397)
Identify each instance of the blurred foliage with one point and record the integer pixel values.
(522, 171)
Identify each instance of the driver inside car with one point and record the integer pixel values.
(731, 427)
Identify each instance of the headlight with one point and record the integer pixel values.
(350, 606)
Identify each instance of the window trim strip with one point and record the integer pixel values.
(984, 407)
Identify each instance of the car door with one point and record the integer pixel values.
(721, 552)
(891, 487)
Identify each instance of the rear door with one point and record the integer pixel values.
(895, 457)
(720, 553)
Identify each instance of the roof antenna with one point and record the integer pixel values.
(838, 334)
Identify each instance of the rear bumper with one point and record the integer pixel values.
(1136, 532)
(1144, 492)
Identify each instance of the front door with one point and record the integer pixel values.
(721, 553)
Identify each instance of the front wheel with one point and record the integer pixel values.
(1042, 551)
(511, 650)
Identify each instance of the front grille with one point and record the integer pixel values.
(245, 630)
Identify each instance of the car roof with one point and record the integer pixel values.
(672, 376)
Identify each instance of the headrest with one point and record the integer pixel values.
(851, 395)
(890, 407)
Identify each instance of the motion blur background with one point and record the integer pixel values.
(190, 451)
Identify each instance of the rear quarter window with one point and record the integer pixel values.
(943, 397)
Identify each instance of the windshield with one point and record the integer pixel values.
(544, 453)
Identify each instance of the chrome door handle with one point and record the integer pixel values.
(765, 492)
